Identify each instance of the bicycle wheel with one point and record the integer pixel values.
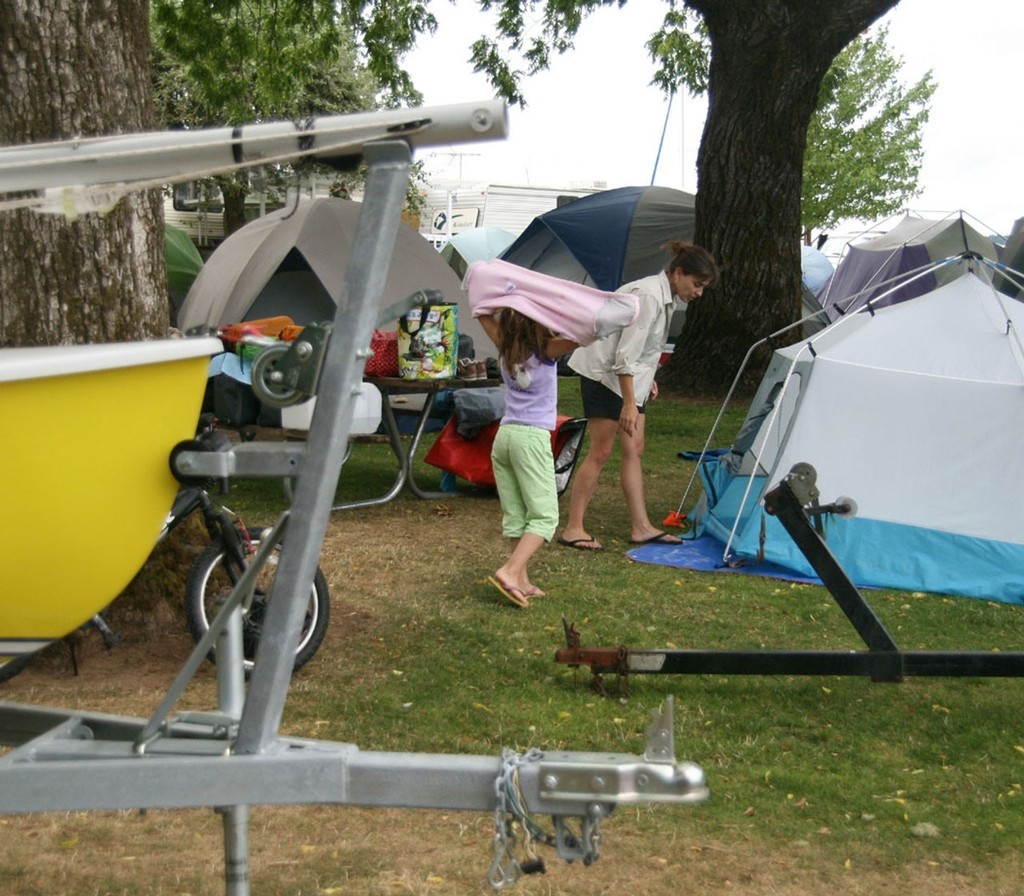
(209, 583)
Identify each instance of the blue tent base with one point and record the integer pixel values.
(883, 660)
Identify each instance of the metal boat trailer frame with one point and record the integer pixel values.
(795, 502)
(234, 757)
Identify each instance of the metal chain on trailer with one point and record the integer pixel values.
(516, 831)
(511, 824)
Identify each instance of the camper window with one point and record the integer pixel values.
(191, 196)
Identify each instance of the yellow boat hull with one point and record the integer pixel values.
(89, 430)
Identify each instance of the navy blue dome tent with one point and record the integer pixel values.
(607, 238)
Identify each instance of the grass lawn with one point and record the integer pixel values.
(815, 782)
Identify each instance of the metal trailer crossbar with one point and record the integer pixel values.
(234, 757)
(794, 502)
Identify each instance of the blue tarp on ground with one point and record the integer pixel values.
(704, 554)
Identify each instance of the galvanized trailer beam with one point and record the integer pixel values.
(71, 761)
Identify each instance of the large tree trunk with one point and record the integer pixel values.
(234, 194)
(68, 68)
(768, 58)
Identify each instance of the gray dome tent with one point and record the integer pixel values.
(902, 257)
(293, 262)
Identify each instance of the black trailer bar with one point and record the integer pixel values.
(794, 502)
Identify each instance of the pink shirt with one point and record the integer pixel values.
(577, 312)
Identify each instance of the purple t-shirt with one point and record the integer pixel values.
(531, 394)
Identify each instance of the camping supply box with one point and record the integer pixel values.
(428, 343)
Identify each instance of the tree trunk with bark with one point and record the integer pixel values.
(234, 193)
(768, 58)
(69, 68)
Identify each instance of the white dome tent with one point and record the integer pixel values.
(914, 411)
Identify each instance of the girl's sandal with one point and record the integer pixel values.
(515, 595)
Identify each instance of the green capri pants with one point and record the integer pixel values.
(524, 471)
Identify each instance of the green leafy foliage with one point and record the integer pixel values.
(228, 62)
(752, 151)
(231, 62)
(682, 53)
(864, 149)
(387, 30)
(553, 25)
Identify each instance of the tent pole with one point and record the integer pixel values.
(767, 340)
(661, 142)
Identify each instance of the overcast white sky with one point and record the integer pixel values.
(594, 117)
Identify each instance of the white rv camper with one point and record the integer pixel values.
(197, 207)
(452, 208)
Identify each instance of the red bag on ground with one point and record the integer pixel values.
(470, 459)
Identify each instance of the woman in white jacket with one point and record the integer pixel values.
(617, 381)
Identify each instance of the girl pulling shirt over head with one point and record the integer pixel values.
(524, 470)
